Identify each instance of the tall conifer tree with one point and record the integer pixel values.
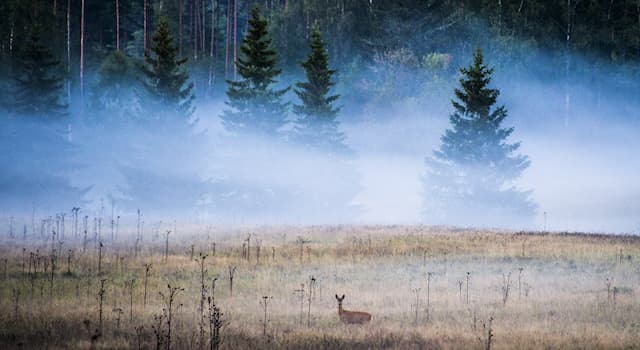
(38, 84)
(166, 78)
(37, 144)
(151, 183)
(255, 105)
(470, 178)
(317, 125)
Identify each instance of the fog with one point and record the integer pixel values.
(583, 186)
(582, 177)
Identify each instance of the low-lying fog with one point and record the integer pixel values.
(582, 146)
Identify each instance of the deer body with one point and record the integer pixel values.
(351, 317)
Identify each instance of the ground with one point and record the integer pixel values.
(426, 288)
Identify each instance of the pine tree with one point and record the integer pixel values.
(317, 125)
(255, 106)
(166, 79)
(470, 177)
(38, 86)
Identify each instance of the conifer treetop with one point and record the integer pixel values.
(314, 92)
(258, 62)
(470, 178)
(476, 138)
(166, 78)
(475, 96)
(256, 107)
(317, 125)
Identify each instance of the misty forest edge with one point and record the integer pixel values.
(140, 79)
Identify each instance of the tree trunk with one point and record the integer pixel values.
(68, 50)
(180, 15)
(124, 25)
(101, 33)
(117, 25)
(567, 96)
(13, 24)
(500, 17)
(203, 35)
(144, 15)
(235, 39)
(212, 43)
(191, 31)
(227, 39)
(638, 10)
(308, 25)
(82, 23)
(196, 33)
(612, 33)
(571, 19)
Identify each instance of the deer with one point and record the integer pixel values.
(351, 317)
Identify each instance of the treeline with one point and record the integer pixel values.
(140, 113)
(83, 33)
(149, 64)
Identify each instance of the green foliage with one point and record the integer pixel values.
(116, 69)
(166, 79)
(317, 125)
(393, 77)
(472, 172)
(38, 86)
(255, 105)
(436, 61)
(517, 33)
(112, 96)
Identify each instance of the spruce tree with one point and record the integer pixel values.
(255, 105)
(149, 182)
(39, 136)
(470, 177)
(317, 125)
(166, 78)
(38, 86)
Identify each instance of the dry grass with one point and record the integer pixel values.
(560, 301)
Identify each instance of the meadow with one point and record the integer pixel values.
(274, 287)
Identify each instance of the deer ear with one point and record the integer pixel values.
(342, 297)
(337, 297)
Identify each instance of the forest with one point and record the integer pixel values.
(157, 106)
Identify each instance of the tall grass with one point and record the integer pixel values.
(579, 291)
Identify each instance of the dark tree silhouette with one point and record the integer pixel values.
(166, 78)
(470, 177)
(38, 86)
(255, 106)
(317, 125)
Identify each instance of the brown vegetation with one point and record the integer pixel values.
(480, 289)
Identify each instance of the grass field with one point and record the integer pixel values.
(426, 288)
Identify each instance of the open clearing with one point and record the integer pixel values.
(502, 290)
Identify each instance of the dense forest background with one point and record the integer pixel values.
(533, 38)
(565, 68)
